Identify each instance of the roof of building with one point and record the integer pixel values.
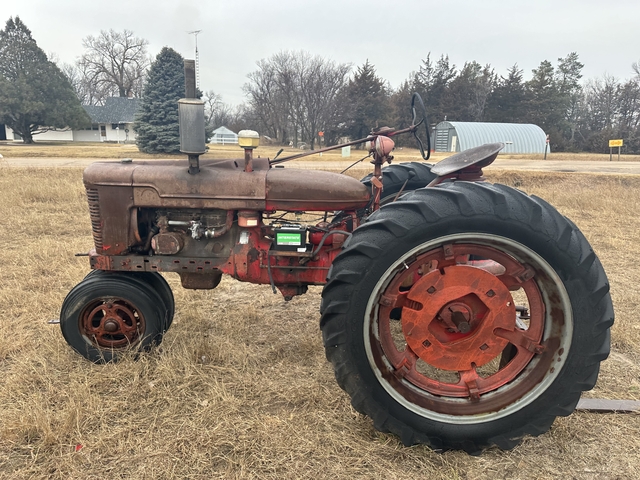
(114, 110)
(517, 137)
(223, 131)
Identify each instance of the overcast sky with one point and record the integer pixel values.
(393, 36)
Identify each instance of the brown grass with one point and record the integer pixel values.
(240, 388)
(114, 150)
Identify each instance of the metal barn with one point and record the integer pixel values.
(517, 137)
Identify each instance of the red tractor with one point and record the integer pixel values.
(456, 313)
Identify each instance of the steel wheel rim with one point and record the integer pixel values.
(112, 323)
(540, 371)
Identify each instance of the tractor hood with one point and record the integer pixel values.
(223, 184)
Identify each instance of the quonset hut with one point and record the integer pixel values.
(517, 137)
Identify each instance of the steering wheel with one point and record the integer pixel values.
(418, 108)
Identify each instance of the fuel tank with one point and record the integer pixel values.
(223, 184)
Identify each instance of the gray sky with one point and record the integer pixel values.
(394, 36)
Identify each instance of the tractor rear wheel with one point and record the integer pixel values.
(415, 174)
(105, 316)
(465, 316)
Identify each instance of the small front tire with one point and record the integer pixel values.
(105, 316)
(151, 279)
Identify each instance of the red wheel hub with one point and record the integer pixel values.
(459, 331)
(112, 323)
(450, 317)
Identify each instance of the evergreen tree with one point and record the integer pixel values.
(546, 108)
(468, 92)
(432, 82)
(400, 102)
(35, 96)
(568, 75)
(367, 102)
(157, 123)
(508, 100)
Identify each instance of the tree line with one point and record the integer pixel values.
(292, 96)
(577, 115)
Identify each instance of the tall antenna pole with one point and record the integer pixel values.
(195, 34)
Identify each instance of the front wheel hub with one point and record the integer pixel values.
(115, 323)
(111, 325)
(450, 317)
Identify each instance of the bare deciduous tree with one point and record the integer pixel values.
(87, 92)
(216, 112)
(601, 102)
(114, 64)
(294, 94)
(268, 104)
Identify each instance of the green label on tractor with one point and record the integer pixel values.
(283, 238)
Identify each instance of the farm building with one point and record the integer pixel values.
(111, 122)
(223, 135)
(517, 137)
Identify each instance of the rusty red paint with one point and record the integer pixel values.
(458, 290)
(201, 281)
(437, 295)
(116, 193)
(247, 262)
(112, 323)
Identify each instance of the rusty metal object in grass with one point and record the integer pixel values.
(608, 406)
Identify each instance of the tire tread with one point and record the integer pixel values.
(446, 203)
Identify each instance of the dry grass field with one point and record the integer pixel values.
(240, 387)
(114, 150)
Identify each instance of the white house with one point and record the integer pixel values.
(111, 122)
(66, 135)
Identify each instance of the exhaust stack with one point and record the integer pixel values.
(191, 119)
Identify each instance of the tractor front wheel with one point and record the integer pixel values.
(465, 316)
(149, 279)
(105, 316)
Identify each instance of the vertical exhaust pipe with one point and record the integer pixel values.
(191, 119)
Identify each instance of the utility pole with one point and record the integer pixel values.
(195, 34)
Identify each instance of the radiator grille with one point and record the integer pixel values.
(96, 220)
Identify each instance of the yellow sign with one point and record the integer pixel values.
(615, 143)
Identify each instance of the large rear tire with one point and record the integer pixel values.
(465, 316)
(414, 174)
